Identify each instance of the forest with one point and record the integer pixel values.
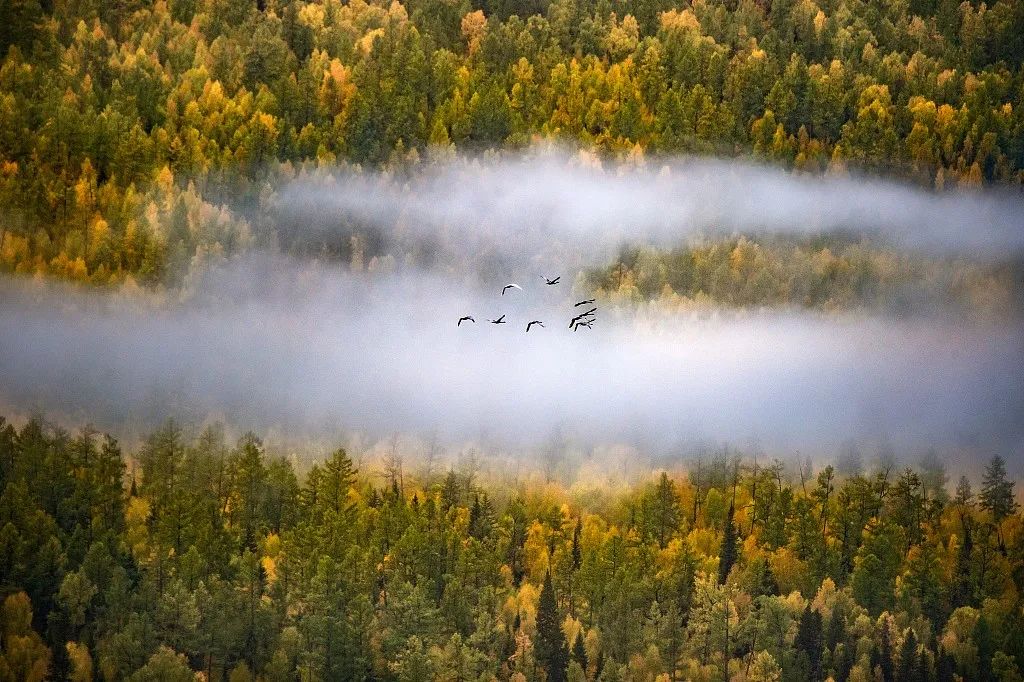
(195, 557)
(140, 138)
(798, 219)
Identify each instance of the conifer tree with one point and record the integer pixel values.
(997, 490)
(727, 554)
(808, 641)
(909, 669)
(579, 652)
(552, 650)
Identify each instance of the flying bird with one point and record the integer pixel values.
(510, 286)
(533, 322)
(549, 282)
(500, 320)
(586, 302)
(586, 324)
(581, 317)
(464, 319)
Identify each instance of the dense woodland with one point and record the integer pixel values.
(139, 138)
(195, 556)
(825, 274)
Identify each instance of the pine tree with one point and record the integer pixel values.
(727, 554)
(945, 667)
(552, 650)
(881, 654)
(997, 491)
(808, 641)
(579, 652)
(909, 669)
(986, 649)
(962, 590)
(577, 552)
(835, 633)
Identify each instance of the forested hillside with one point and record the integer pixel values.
(137, 137)
(199, 555)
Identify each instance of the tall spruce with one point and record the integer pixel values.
(808, 641)
(551, 647)
(997, 490)
(909, 669)
(727, 553)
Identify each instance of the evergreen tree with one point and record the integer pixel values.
(945, 666)
(577, 552)
(808, 641)
(881, 654)
(551, 648)
(910, 668)
(727, 553)
(579, 652)
(997, 491)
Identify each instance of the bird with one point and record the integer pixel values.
(510, 286)
(586, 324)
(464, 318)
(500, 320)
(533, 322)
(580, 317)
(586, 302)
(549, 282)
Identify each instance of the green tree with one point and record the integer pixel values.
(552, 650)
(728, 550)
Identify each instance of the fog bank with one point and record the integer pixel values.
(271, 343)
(547, 207)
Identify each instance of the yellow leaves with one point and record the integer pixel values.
(684, 21)
(789, 570)
(535, 550)
(819, 22)
(136, 517)
(81, 662)
(14, 249)
(365, 44)
(705, 541)
(69, 268)
(99, 231)
(623, 37)
(474, 28)
(397, 12)
(312, 14)
(271, 553)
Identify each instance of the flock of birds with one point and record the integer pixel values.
(585, 319)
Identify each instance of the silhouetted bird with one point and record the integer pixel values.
(533, 322)
(510, 286)
(500, 320)
(586, 302)
(549, 282)
(581, 317)
(586, 324)
(464, 319)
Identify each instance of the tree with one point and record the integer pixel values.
(997, 491)
(165, 666)
(808, 642)
(910, 668)
(881, 653)
(23, 655)
(664, 509)
(579, 652)
(551, 648)
(727, 552)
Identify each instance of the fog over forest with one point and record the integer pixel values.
(265, 340)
